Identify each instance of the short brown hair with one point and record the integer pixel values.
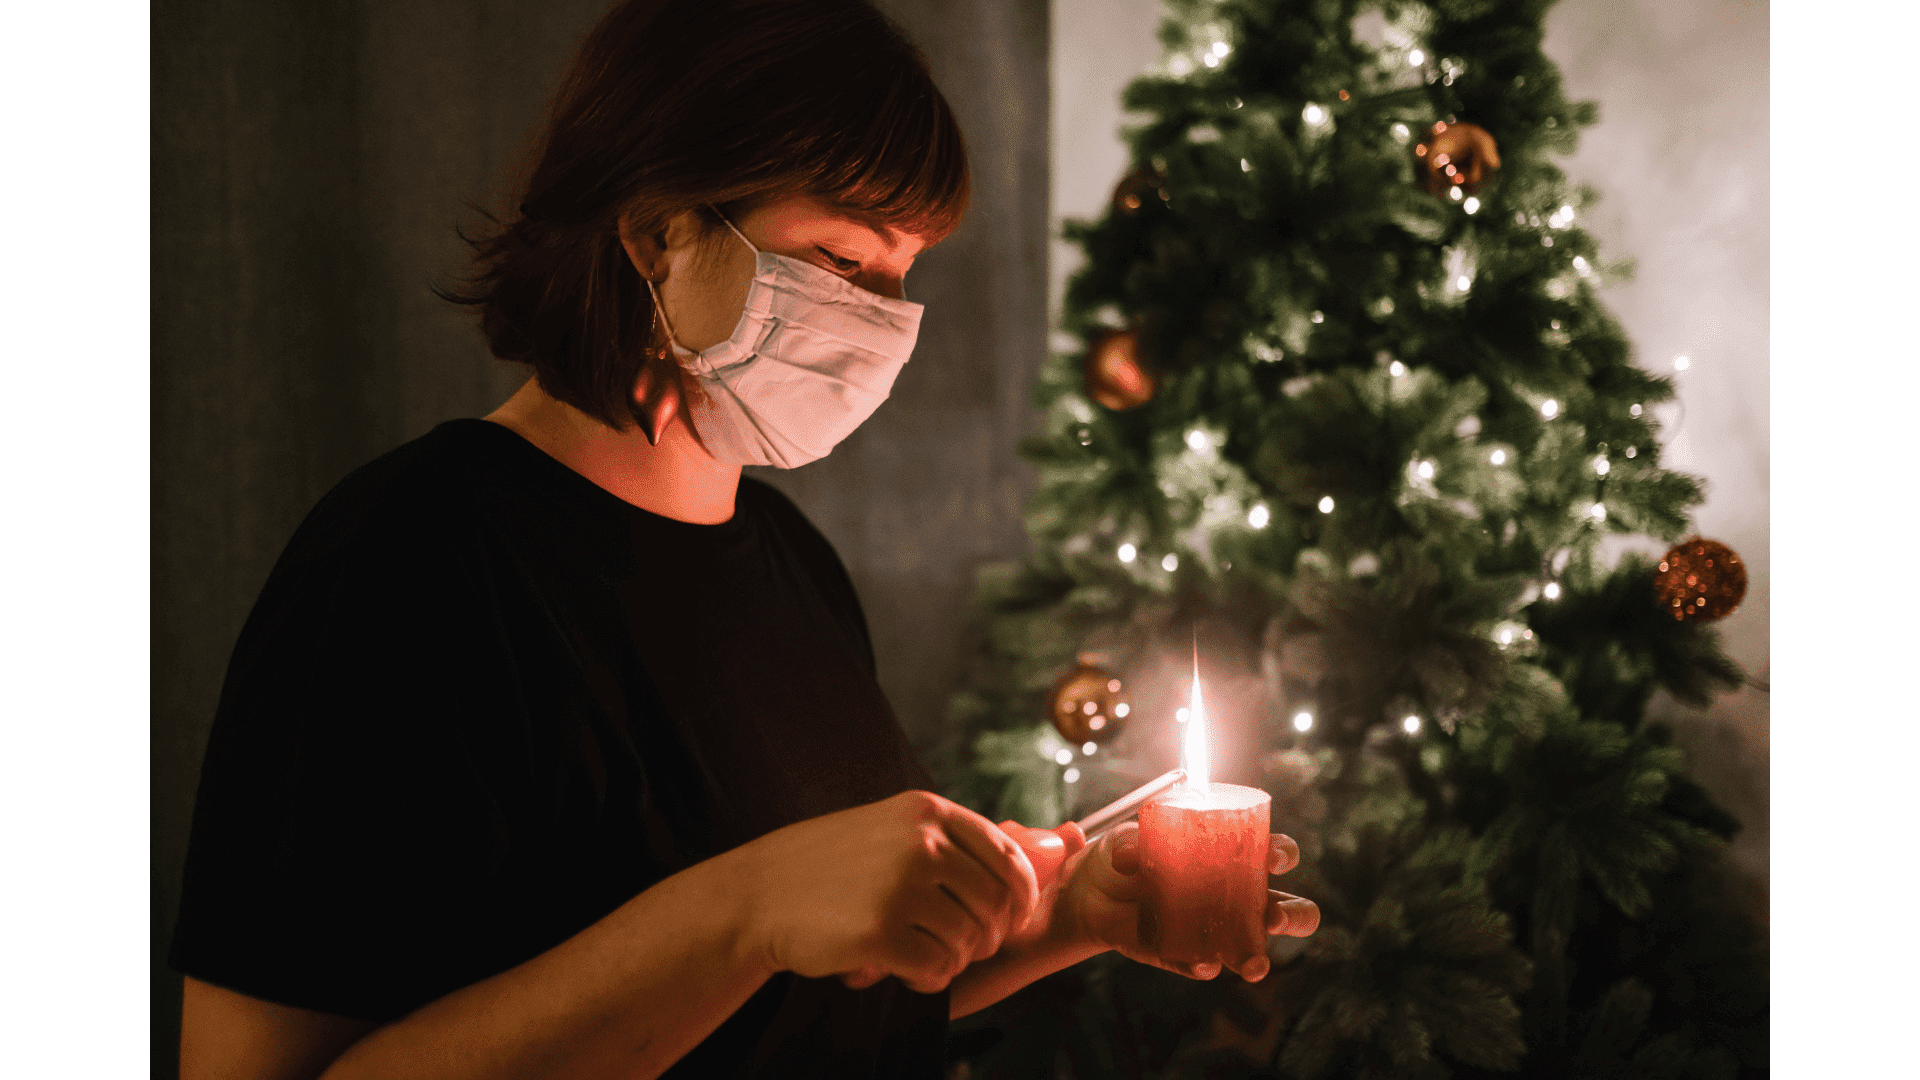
(675, 105)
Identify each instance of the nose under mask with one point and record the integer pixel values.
(812, 357)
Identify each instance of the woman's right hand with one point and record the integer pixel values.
(914, 886)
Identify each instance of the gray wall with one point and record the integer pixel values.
(309, 163)
(1679, 159)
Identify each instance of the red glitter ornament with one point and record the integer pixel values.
(1700, 579)
(1456, 155)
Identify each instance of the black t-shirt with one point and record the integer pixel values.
(482, 702)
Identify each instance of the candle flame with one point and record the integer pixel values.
(1193, 751)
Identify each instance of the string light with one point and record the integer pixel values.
(1258, 516)
(1318, 317)
(1063, 755)
(1580, 264)
(1416, 58)
(1396, 369)
(1463, 282)
(1552, 591)
(1326, 504)
(1426, 470)
(1245, 166)
(1303, 721)
(1071, 775)
(1472, 206)
(1121, 710)
(1412, 724)
(1170, 563)
(1402, 132)
(1550, 408)
(1633, 410)
(1601, 466)
(1455, 193)
(1632, 452)
(1221, 49)
(1181, 714)
(1599, 511)
(1210, 60)
(1681, 363)
(1498, 457)
(1314, 114)
(1198, 442)
(1089, 748)
(1505, 636)
(1127, 552)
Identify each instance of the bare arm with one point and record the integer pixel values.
(913, 886)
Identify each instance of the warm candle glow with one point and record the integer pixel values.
(1193, 752)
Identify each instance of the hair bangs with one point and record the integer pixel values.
(907, 169)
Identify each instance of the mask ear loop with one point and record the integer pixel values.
(660, 404)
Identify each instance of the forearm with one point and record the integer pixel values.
(1024, 958)
(626, 997)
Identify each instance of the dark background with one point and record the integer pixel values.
(310, 163)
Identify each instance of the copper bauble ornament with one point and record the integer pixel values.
(1136, 188)
(1088, 704)
(1700, 580)
(1115, 377)
(1455, 156)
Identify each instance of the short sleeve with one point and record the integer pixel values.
(370, 774)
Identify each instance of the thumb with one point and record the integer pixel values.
(1113, 865)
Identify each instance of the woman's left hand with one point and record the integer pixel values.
(1097, 900)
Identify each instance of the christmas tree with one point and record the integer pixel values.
(1350, 415)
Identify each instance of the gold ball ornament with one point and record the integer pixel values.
(1701, 580)
(1136, 189)
(1455, 155)
(1088, 704)
(1115, 377)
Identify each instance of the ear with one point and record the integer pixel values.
(650, 250)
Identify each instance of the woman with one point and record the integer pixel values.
(553, 747)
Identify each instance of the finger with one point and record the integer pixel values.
(986, 899)
(924, 962)
(999, 855)
(1282, 854)
(937, 912)
(1254, 968)
(864, 976)
(1291, 915)
(1122, 846)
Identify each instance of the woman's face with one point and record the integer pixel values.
(705, 286)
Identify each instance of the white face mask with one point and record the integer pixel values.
(812, 356)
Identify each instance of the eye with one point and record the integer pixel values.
(845, 266)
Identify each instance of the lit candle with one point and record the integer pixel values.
(1203, 861)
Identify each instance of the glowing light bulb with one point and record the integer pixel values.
(1326, 504)
(1097, 722)
(1071, 775)
(1314, 114)
(1552, 591)
(1318, 317)
(1303, 721)
(1197, 440)
(1396, 369)
(1633, 410)
(1210, 60)
(1063, 755)
(1498, 457)
(1402, 132)
(1245, 165)
(1632, 452)
(1416, 58)
(1127, 552)
(1412, 724)
(1182, 714)
(1426, 470)
(1221, 48)
(1471, 206)
(1455, 193)
(1258, 516)
(1463, 283)
(1121, 710)
(1580, 264)
(1170, 563)
(1506, 637)
(1549, 408)
(1599, 511)
(1089, 748)
(1601, 465)
(1681, 363)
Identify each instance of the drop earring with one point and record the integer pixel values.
(656, 409)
